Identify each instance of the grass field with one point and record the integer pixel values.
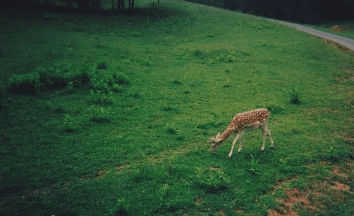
(110, 115)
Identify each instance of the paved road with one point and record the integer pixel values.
(349, 43)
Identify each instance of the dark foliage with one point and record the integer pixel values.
(303, 11)
(217, 3)
(80, 5)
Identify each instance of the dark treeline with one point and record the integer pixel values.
(82, 5)
(303, 11)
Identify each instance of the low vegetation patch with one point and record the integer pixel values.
(64, 76)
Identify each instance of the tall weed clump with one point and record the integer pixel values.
(108, 81)
(104, 82)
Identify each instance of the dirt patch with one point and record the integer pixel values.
(312, 199)
(101, 173)
(295, 197)
(220, 212)
(238, 211)
(346, 136)
(214, 168)
(337, 28)
(337, 172)
(349, 165)
(339, 186)
(286, 206)
(272, 212)
(199, 201)
(283, 182)
(119, 168)
(168, 153)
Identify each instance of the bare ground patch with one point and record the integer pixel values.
(336, 171)
(313, 198)
(166, 154)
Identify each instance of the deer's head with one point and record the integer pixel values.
(216, 142)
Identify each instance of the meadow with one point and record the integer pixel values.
(110, 114)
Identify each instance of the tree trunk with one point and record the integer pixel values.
(120, 5)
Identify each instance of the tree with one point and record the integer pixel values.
(121, 4)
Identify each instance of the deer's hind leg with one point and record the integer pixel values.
(266, 132)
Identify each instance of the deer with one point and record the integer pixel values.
(242, 122)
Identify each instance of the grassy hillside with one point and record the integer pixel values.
(110, 115)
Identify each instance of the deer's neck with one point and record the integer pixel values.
(227, 133)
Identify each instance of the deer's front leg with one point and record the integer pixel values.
(271, 139)
(238, 137)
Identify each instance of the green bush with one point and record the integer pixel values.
(25, 84)
(59, 76)
(293, 10)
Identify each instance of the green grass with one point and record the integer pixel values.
(131, 137)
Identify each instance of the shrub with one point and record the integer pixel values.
(59, 76)
(25, 84)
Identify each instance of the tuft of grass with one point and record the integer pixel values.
(102, 65)
(254, 166)
(274, 109)
(295, 95)
(98, 113)
(171, 131)
(213, 181)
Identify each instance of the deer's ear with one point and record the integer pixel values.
(218, 135)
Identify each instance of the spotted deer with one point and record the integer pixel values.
(242, 122)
